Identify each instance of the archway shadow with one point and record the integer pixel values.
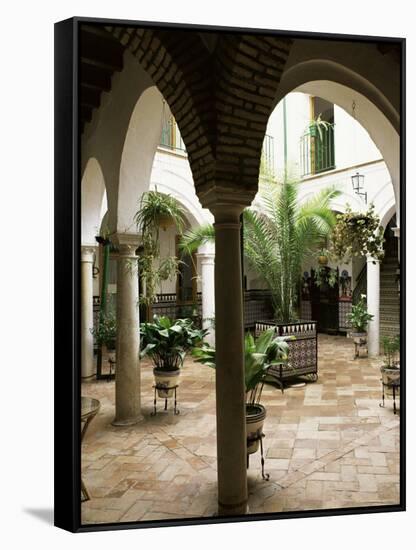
(43, 514)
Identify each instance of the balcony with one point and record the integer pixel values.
(170, 137)
(317, 152)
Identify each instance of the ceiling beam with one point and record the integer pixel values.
(95, 77)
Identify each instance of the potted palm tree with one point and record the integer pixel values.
(166, 342)
(359, 319)
(259, 355)
(390, 370)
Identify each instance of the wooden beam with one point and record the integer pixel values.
(86, 113)
(95, 77)
(101, 50)
(90, 96)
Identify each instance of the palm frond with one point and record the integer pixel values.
(192, 239)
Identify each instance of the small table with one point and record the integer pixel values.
(89, 408)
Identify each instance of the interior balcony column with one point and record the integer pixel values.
(230, 388)
(127, 382)
(396, 233)
(206, 257)
(373, 305)
(87, 319)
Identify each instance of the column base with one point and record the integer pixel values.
(128, 421)
(239, 509)
(88, 378)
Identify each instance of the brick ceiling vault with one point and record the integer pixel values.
(221, 98)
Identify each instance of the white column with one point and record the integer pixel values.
(128, 399)
(373, 305)
(87, 319)
(396, 233)
(207, 261)
(230, 388)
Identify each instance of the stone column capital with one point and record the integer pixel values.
(396, 231)
(206, 252)
(126, 243)
(206, 258)
(87, 253)
(217, 197)
(227, 214)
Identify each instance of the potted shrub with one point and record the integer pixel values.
(259, 355)
(390, 370)
(317, 125)
(105, 334)
(359, 318)
(165, 342)
(156, 210)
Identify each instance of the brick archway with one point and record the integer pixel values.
(221, 96)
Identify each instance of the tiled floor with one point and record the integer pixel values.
(328, 444)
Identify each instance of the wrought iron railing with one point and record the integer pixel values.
(170, 137)
(317, 151)
(268, 156)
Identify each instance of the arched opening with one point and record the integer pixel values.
(93, 201)
(141, 141)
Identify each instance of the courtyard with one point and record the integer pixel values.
(328, 444)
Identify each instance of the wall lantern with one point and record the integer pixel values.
(358, 185)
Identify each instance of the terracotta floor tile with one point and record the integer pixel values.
(328, 444)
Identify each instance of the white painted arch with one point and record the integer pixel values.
(93, 196)
(142, 139)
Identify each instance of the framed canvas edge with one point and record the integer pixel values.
(67, 376)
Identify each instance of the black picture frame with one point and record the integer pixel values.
(67, 478)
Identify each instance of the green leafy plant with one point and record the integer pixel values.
(359, 316)
(259, 355)
(166, 342)
(192, 239)
(278, 238)
(106, 331)
(357, 234)
(322, 275)
(391, 349)
(156, 210)
(318, 126)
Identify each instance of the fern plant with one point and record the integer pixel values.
(156, 209)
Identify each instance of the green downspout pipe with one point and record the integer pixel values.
(104, 282)
(285, 140)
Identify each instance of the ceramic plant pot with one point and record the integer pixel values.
(166, 381)
(255, 415)
(359, 337)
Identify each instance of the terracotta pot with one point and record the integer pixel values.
(323, 260)
(359, 337)
(165, 381)
(255, 415)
